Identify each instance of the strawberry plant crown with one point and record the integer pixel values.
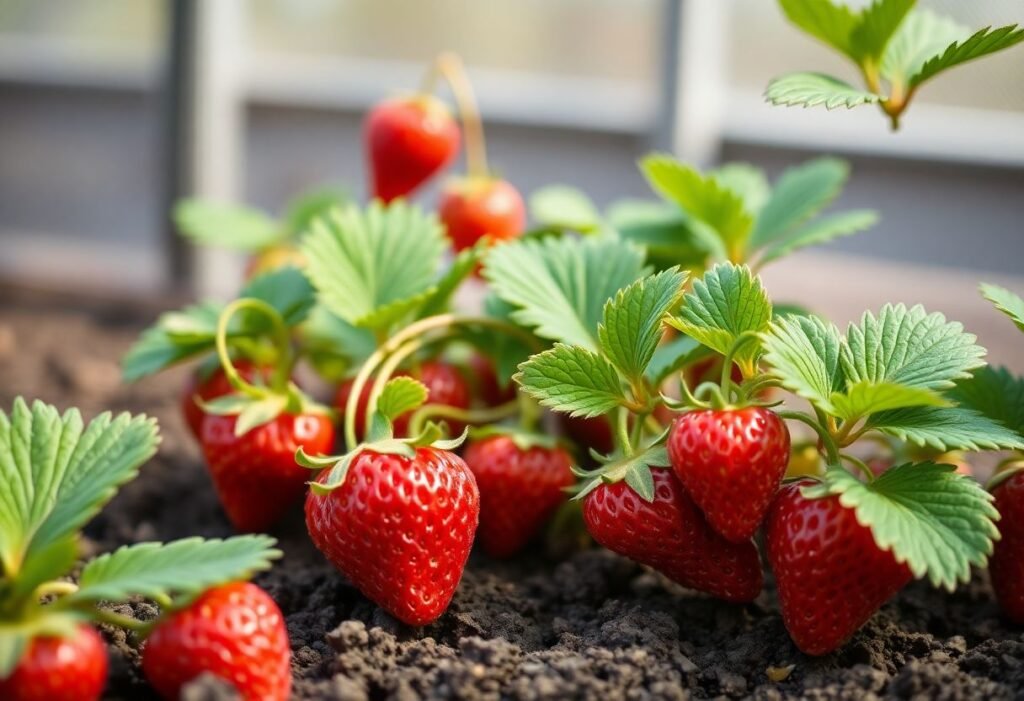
(56, 473)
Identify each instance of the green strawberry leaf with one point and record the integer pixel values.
(826, 21)
(810, 89)
(226, 226)
(572, 380)
(820, 231)
(559, 285)
(181, 335)
(945, 428)
(867, 397)
(909, 347)
(702, 198)
(800, 193)
(673, 356)
(182, 568)
(995, 393)
(562, 207)
(440, 295)
(803, 352)
(921, 35)
(746, 181)
(374, 266)
(333, 345)
(937, 522)
(981, 43)
(1007, 302)
(877, 26)
(400, 395)
(56, 473)
(632, 324)
(666, 233)
(311, 205)
(727, 302)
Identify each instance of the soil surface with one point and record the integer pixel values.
(590, 625)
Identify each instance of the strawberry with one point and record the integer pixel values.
(255, 474)
(487, 387)
(830, 574)
(59, 669)
(474, 207)
(589, 433)
(445, 385)
(671, 535)
(234, 631)
(408, 140)
(213, 386)
(731, 461)
(1007, 566)
(399, 528)
(520, 488)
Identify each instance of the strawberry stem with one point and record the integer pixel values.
(869, 476)
(53, 588)
(622, 430)
(831, 451)
(466, 416)
(281, 338)
(450, 66)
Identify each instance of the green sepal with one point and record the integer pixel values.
(634, 469)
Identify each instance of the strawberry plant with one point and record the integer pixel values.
(895, 47)
(56, 473)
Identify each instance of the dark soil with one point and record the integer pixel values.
(593, 625)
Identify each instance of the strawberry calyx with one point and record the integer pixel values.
(634, 469)
(338, 465)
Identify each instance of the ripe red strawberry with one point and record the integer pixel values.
(255, 474)
(672, 536)
(474, 207)
(830, 574)
(593, 433)
(731, 462)
(59, 669)
(399, 528)
(488, 388)
(445, 385)
(408, 140)
(213, 386)
(1007, 566)
(236, 632)
(519, 490)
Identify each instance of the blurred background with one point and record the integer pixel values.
(110, 110)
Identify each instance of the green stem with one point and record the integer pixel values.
(281, 338)
(466, 416)
(56, 588)
(622, 429)
(860, 465)
(831, 451)
(126, 622)
(741, 340)
(450, 66)
(387, 369)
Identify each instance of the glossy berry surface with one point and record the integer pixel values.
(400, 529)
(236, 632)
(671, 535)
(1007, 564)
(476, 207)
(408, 140)
(445, 385)
(59, 669)
(519, 490)
(731, 462)
(255, 474)
(211, 387)
(830, 574)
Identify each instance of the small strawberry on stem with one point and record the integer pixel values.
(48, 649)
(478, 205)
(397, 516)
(249, 437)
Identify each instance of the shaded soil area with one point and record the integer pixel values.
(588, 625)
